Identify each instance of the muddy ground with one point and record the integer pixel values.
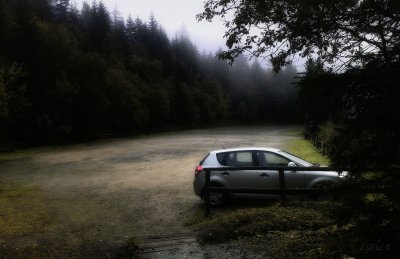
(89, 200)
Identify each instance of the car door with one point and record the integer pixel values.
(239, 178)
(270, 178)
(266, 178)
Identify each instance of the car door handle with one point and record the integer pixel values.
(264, 175)
(225, 173)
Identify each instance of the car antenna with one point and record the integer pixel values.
(217, 140)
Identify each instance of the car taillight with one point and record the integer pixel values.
(198, 169)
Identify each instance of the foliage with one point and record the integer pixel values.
(255, 95)
(364, 205)
(347, 32)
(370, 133)
(327, 132)
(69, 74)
(320, 95)
(308, 229)
(304, 229)
(365, 139)
(351, 109)
(13, 98)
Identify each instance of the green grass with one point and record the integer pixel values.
(305, 149)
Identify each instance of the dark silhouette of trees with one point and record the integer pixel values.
(71, 74)
(320, 94)
(255, 94)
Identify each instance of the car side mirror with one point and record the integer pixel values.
(291, 164)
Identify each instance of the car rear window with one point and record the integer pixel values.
(221, 157)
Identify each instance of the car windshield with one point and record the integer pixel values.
(296, 159)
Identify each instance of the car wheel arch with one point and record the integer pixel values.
(219, 197)
(213, 184)
(320, 181)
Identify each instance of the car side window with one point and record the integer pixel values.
(236, 159)
(271, 159)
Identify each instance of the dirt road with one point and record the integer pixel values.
(90, 199)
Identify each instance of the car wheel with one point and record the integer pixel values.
(324, 190)
(217, 198)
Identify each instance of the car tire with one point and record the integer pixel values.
(323, 194)
(216, 198)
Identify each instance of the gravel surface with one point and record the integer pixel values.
(89, 200)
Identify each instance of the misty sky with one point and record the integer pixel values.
(173, 15)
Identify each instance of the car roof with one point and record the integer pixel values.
(246, 148)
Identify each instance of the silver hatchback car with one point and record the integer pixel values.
(248, 157)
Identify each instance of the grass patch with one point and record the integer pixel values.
(35, 223)
(298, 229)
(305, 149)
(22, 210)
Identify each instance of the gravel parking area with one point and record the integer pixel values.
(89, 200)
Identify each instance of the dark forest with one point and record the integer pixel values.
(69, 74)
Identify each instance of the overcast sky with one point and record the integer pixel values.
(173, 15)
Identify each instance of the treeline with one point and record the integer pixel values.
(68, 73)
